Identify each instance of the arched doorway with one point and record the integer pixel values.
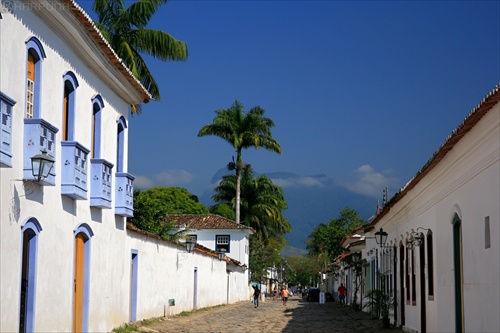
(29, 240)
(423, 301)
(83, 235)
(457, 266)
(402, 282)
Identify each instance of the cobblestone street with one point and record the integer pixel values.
(297, 316)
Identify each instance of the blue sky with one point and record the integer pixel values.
(361, 91)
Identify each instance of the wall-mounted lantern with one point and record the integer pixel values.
(416, 238)
(41, 165)
(190, 243)
(221, 255)
(381, 237)
(356, 256)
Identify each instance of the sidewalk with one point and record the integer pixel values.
(297, 316)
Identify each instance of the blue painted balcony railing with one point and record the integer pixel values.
(124, 195)
(74, 170)
(38, 135)
(100, 183)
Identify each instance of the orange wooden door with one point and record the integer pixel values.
(78, 283)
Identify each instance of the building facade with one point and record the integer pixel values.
(68, 260)
(440, 259)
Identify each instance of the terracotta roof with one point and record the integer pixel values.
(106, 48)
(203, 221)
(486, 104)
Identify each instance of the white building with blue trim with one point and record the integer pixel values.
(68, 260)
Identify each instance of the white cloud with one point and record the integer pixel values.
(142, 182)
(370, 182)
(165, 178)
(297, 181)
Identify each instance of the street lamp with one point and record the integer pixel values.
(381, 237)
(41, 164)
(190, 243)
(355, 257)
(221, 255)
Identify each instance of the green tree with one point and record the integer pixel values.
(325, 239)
(264, 254)
(223, 210)
(153, 205)
(125, 30)
(262, 203)
(242, 131)
(305, 268)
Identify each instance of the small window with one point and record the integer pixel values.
(222, 243)
(487, 238)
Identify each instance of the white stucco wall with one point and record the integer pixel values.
(59, 216)
(466, 183)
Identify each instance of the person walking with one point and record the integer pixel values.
(256, 294)
(284, 295)
(342, 291)
(275, 293)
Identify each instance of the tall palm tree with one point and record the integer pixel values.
(125, 30)
(242, 131)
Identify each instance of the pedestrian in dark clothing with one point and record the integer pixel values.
(256, 294)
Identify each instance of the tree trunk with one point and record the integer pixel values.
(238, 189)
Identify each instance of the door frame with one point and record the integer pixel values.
(32, 229)
(86, 232)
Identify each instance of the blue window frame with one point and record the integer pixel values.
(6, 105)
(34, 57)
(69, 105)
(120, 144)
(97, 106)
(222, 243)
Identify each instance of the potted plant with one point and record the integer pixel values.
(380, 305)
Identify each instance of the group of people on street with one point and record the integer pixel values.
(256, 294)
(284, 293)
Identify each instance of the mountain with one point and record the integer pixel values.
(311, 200)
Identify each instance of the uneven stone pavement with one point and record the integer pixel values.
(297, 316)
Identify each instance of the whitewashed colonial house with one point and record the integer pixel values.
(216, 233)
(441, 258)
(68, 261)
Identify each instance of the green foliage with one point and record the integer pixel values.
(125, 329)
(264, 254)
(325, 238)
(153, 205)
(223, 210)
(379, 302)
(305, 268)
(262, 203)
(125, 30)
